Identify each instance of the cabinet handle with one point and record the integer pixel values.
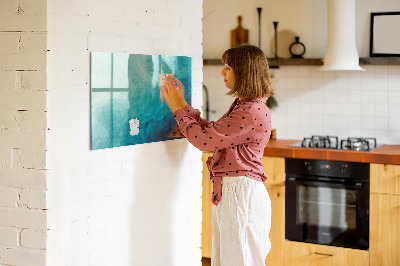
(324, 254)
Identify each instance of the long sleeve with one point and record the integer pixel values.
(231, 130)
(193, 113)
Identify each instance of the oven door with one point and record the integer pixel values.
(327, 213)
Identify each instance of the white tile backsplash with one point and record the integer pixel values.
(381, 110)
(329, 109)
(367, 110)
(382, 136)
(381, 96)
(381, 83)
(367, 96)
(381, 122)
(342, 123)
(304, 72)
(342, 109)
(304, 82)
(354, 80)
(343, 103)
(342, 81)
(291, 71)
(380, 71)
(394, 123)
(394, 97)
(342, 96)
(394, 110)
(292, 82)
(394, 82)
(367, 123)
(393, 71)
(394, 137)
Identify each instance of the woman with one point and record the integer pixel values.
(242, 211)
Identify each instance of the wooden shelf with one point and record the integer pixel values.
(380, 61)
(274, 63)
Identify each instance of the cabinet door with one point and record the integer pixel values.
(274, 168)
(277, 233)
(384, 230)
(304, 254)
(385, 178)
(206, 225)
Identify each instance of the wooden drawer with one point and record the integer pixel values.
(385, 178)
(304, 254)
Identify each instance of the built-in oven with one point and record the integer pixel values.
(327, 202)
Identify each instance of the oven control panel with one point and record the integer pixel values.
(337, 169)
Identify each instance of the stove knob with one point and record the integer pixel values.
(308, 166)
(343, 168)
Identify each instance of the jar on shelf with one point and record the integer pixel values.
(297, 49)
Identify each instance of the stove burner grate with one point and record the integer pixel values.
(327, 142)
(358, 144)
(332, 142)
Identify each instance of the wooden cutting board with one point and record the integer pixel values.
(239, 35)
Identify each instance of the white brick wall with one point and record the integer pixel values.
(33, 239)
(9, 237)
(135, 205)
(119, 206)
(8, 197)
(23, 132)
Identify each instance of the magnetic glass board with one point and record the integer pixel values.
(126, 104)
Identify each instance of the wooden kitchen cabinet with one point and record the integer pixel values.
(206, 225)
(385, 215)
(277, 233)
(274, 168)
(305, 254)
(385, 178)
(384, 236)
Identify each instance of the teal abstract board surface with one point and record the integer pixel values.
(126, 104)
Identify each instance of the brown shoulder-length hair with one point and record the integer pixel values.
(250, 66)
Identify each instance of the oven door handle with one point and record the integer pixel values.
(357, 185)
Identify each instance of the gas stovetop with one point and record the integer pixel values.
(332, 142)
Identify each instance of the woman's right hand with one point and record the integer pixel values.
(181, 91)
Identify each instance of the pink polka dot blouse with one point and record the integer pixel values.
(238, 139)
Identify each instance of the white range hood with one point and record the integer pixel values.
(341, 51)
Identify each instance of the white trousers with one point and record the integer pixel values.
(241, 223)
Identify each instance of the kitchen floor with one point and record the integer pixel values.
(206, 261)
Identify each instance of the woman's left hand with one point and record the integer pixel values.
(171, 96)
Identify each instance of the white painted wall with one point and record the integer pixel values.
(311, 102)
(306, 19)
(23, 133)
(136, 205)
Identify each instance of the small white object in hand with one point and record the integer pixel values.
(134, 125)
